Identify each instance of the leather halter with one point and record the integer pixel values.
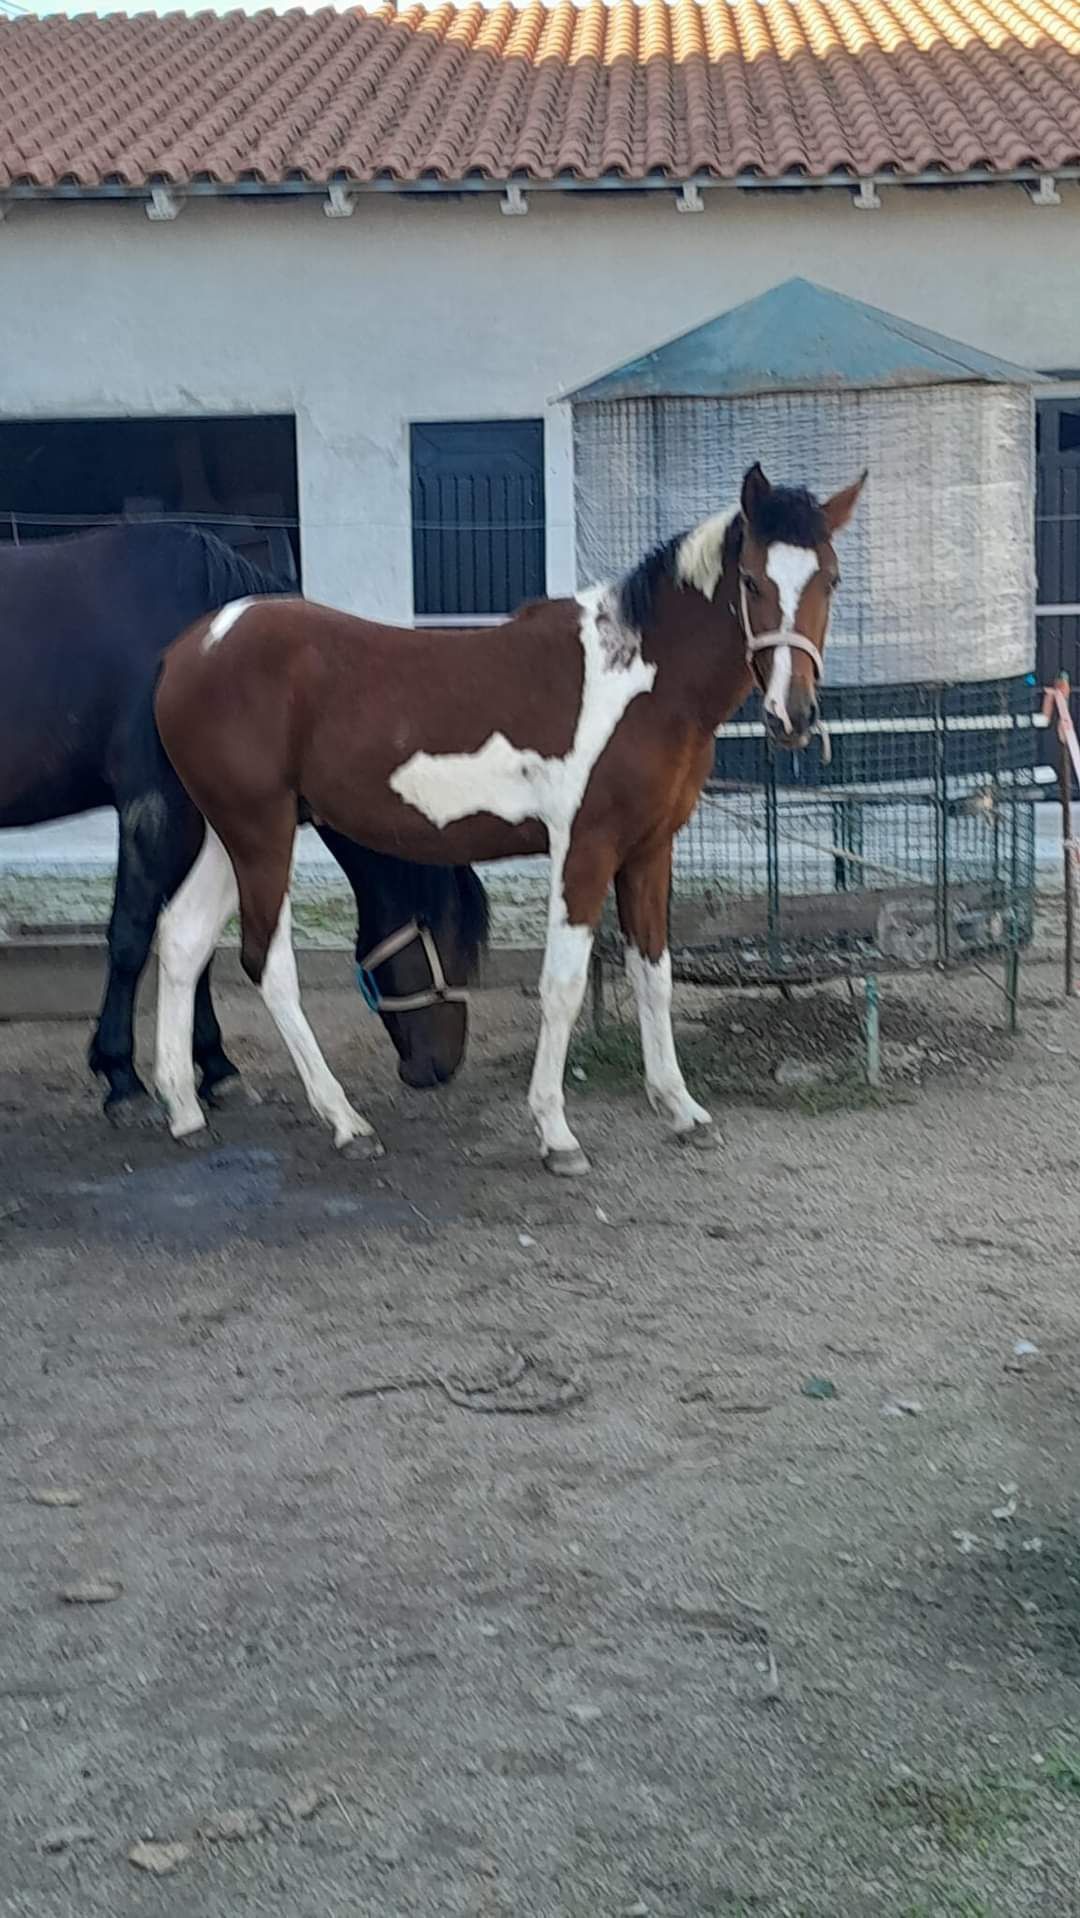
(437, 994)
(768, 642)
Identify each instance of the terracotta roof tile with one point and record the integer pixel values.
(720, 87)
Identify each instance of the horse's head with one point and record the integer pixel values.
(417, 946)
(788, 573)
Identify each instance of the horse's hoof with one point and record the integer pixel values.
(570, 1164)
(226, 1094)
(362, 1145)
(702, 1136)
(135, 1112)
(190, 1130)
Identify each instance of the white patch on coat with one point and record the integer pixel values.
(224, 622)
(664, 1082)
(700, 558)
(515, 782)
(791, 568)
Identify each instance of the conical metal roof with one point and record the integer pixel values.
(799, 337)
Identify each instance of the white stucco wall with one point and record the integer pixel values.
(429, 309)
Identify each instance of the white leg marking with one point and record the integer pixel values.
(187, 935)
(562, 989)
(281, 993)
(224, 622)
(664, 1082)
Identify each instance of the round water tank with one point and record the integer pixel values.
(938, 567)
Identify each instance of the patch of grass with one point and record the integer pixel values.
(610, 1059)
(611, 1062)
(1061, 1769)
(848, 1092)
(968, 1814)
(948, 1904)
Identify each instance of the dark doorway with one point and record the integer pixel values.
(235, 475)
(478, 517)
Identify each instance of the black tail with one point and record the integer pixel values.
(161, 826)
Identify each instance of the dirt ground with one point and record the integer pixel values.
(691, 1540)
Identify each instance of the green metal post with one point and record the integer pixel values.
(1012, 983)
(772, 868)
(873, 1031)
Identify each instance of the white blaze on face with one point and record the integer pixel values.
(791, 568)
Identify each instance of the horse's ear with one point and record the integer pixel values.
(839, 508)
(755, 491)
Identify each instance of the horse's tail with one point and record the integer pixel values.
(231, 575)
(161, 827)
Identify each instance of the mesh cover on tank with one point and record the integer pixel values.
(938, 563)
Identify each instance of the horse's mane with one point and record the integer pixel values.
(697, 556)
(424, 893)
(421, 893)
(429, 901)
(231, 575)
(638, 589)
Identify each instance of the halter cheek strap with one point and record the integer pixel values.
(438, 993)
(767, 642)
(796, 642)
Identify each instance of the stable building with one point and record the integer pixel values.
(323, 279)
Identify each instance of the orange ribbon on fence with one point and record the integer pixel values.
(1056, 704)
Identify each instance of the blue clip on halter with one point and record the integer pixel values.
(369, 991)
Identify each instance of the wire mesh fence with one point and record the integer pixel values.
(914, 846)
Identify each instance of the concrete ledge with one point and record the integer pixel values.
(58, 978)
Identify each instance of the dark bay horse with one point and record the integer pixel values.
(582, 728)
(83, 624)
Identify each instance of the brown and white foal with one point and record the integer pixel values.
(582, 728)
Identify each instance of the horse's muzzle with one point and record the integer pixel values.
(424, 1074)
(802, 720)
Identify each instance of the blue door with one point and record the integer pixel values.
(477, 516)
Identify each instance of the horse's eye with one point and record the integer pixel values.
(751, 585)
(834, 583)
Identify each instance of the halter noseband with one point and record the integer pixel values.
(768, 642)
(437, 994)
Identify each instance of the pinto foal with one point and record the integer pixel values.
(582, 728)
